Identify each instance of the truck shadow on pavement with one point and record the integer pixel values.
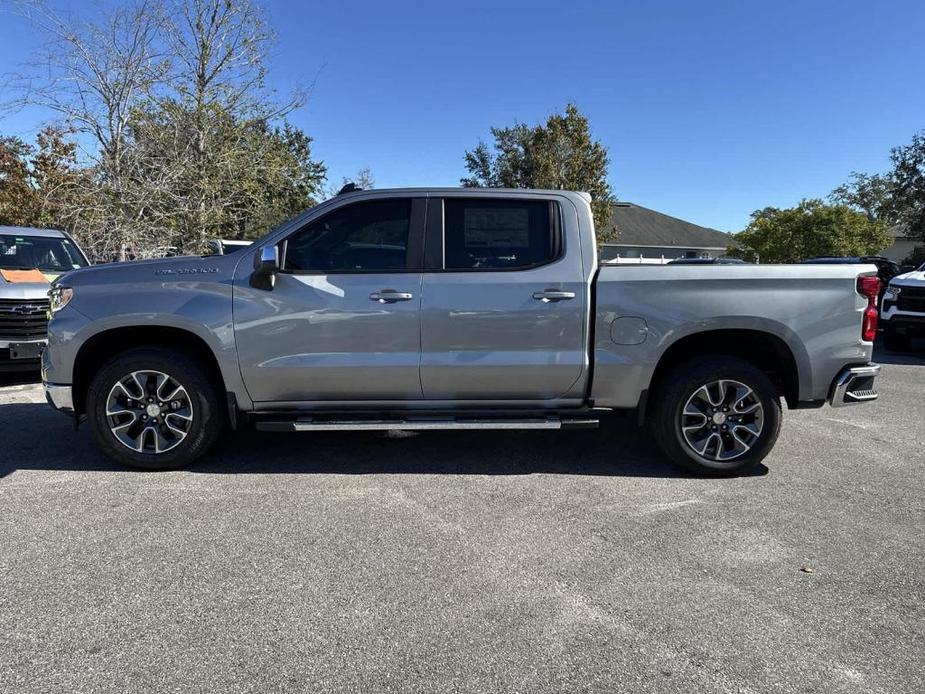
(32, 437)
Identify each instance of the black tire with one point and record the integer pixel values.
(895, 341)
(682, 383)
(205, 408)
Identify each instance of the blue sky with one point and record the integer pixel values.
(709, 109)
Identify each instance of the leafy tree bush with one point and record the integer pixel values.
(810, 229)
(559, 155)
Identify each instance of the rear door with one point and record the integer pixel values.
(342, 322)
(505, 304)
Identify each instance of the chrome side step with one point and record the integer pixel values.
(854, 385)
(422, 424)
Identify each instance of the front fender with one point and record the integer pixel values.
(200, 307)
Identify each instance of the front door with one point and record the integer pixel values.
(342, 322)
(504, 316)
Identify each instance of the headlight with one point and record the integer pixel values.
(892, 292)
(59, 297)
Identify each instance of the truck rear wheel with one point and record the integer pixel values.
(716, 415)
(154, 408)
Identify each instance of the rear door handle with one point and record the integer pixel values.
(390, 296)
(548, 295)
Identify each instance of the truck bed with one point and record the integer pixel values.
(642, 310)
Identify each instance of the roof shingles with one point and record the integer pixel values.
(640, 226)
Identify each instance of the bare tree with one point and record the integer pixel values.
(363, 179)
(92, 74)
(221, 49)
(218, 103)
(183, 138)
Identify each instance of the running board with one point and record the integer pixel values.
(423, 424)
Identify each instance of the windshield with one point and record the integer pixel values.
(39, 253)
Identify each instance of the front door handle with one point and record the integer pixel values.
(548, 295)
(390, 296)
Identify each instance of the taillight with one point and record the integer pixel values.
(869, 286)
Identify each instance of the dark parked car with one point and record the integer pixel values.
(886, 269)
(707, 261)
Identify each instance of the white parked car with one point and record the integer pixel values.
(903, 309)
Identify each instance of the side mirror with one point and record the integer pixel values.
(906, 268)
(266, 265)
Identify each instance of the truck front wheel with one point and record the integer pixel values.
(716, 415)
(154, 408)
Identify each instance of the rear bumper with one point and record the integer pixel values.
(854, 385)
(59, 397)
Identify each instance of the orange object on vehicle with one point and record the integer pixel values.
(15, 276)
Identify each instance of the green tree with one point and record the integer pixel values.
(560, 155)
(908, 185)
(895, 197)
(42, 185)
(872, 194)
(18, 198)
(67, 193)
(810, 229)
(250, 176)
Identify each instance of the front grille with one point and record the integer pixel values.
(23, 318)
(911, 299)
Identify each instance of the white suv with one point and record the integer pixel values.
(902, 314)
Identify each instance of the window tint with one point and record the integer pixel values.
(496, 234)
(39, 252)
(364, 236)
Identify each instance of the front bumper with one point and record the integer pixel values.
(11, 357)
(59, 397)
(854, 385)
(903, 321)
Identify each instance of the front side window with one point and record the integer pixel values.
(366, 236)
(490, 234)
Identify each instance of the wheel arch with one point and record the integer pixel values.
(106, 344)
(767, 351)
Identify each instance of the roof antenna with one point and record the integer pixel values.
(349, 188)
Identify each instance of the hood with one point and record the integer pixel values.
(25, 284)
(910, 279)
(160, 270)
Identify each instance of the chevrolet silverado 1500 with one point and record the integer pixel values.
(904, 309)
(446, 309)
(30, 259)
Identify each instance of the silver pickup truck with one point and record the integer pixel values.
(452, 309)
(30, 259)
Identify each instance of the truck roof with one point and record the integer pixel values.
(460, 189)
(30, 231)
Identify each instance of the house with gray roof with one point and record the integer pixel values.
(647, 236)
(903, 244)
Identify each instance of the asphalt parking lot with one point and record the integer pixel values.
(470, 562)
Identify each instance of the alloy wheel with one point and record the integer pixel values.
(722, 420)
(149, 412)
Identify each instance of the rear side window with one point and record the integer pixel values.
(367, 236)
(485, 234)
